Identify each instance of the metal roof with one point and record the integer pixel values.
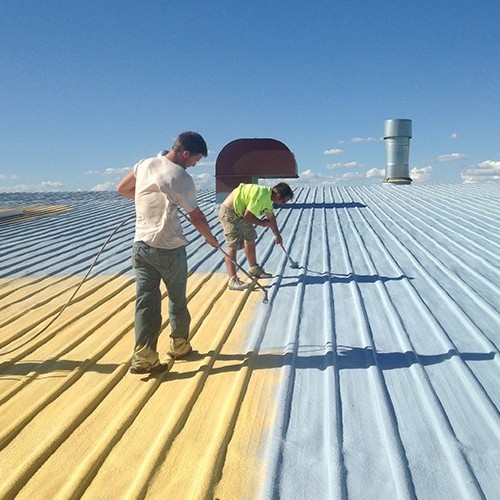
(372, 372)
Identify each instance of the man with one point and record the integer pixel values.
(239, 212)
(160, 185)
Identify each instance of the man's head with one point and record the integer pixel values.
(282, 193)
(188, 148)
(191, 142)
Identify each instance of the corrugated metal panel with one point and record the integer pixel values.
(372, 372)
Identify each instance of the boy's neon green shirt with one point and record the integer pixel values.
(254, 198)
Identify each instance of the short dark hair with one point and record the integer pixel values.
(191, 142)
(283, 190)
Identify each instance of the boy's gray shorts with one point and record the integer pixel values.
(236, 229)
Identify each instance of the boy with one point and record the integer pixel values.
(239, 212)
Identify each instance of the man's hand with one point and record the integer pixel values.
(212, 241)
(199, 221)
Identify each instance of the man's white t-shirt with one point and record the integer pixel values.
(160, 187)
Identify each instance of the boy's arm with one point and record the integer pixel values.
(274, 228)
(250, 217)
(268, 221)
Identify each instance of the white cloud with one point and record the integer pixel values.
(452, 157)
(51, 184)
(9, 177)
(349, 164)
(117, 171)
(353, 164)
(109, 171)
(204, 181)
(454, 136)
(350, 176)
(376, 172)
(44, 186)
(19, 188)
(360, 140)
(205, 163)
(361, 177)
(306, 178)
(105, 186)
(358, 177)
(312, 178)
(486, 171)
(421, 175)
(333, 152)
(364, 139)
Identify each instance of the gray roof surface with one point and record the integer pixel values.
(372, 372)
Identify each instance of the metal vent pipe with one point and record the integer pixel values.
(397, 134)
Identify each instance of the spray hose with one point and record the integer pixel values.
(51, 322)
(128, 219)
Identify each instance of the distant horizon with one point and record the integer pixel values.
(294, 183)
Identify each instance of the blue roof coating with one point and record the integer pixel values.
(373, 372)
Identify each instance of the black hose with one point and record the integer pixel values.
(51, 322)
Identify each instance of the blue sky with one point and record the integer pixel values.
(90, 87)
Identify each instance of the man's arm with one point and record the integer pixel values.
(126, 186)
(200, 222)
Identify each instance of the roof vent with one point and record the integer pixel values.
(397, 134)
(246, 160)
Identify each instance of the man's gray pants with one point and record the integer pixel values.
(153, 265)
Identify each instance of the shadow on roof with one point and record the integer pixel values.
(351, 204)
(59, 367)
(321, 278)
(347, 358)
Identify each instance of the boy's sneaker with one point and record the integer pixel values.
(236, 284)
(179, 347)
(258, 272)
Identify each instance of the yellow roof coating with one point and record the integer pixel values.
(17, 214)
(82, 423)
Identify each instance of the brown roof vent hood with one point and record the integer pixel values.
(246, 160)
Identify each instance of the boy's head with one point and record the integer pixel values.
(282, 193)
